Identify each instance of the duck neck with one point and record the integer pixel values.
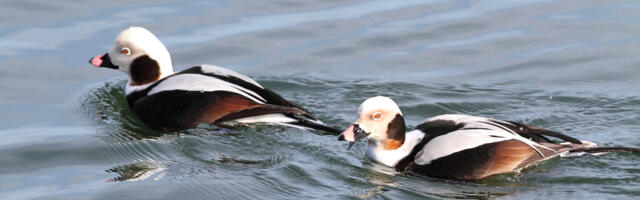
(378, 151)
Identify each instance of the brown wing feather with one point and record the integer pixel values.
(507, 156)
(513, 155)
(225, 105)
(557, 150)
(231, 107)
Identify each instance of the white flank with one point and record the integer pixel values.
(456, 141)
(268, 118)
(483, 122)
(459, 118)
(202, 83)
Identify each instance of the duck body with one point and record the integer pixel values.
(456, 146)
(168, 101)
(466, 147)
(209, 94)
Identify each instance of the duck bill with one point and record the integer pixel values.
(351, 135)
(102, 60)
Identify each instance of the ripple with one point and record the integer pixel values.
(526, 61)
(137, 171)
(108, 106)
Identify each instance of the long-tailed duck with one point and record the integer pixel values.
(169, 101)
(455, 146)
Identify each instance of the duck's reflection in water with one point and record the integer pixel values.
(137, 171)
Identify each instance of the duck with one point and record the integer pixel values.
(169, 101)
(458, 146)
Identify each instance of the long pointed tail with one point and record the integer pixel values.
(586, 147)
(288, 116)
(308, 122)
(605, 149)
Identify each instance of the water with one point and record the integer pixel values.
(66, 132)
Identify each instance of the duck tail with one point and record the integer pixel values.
(605, 149)
(311, 123)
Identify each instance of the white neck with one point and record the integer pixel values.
(390, 158)
(166, 68)
(128, 89)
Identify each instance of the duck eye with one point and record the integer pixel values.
(377, 116)
(126, 51)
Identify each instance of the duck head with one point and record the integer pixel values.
(379, 120)
(139, 54)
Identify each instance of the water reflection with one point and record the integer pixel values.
(137, 171)
(384, 179)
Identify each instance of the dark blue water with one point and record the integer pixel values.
(66, 131)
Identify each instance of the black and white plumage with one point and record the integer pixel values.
(169, 101)
(457, 146)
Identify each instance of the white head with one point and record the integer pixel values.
(138, 53)
(379, 120)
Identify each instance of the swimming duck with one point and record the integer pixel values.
(168, 101)
(456, 146)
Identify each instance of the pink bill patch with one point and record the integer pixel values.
(349, 135)
(97, 61)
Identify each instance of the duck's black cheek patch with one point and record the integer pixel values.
(397, 129)
(144, 70)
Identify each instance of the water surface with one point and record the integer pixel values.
(66, 131)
